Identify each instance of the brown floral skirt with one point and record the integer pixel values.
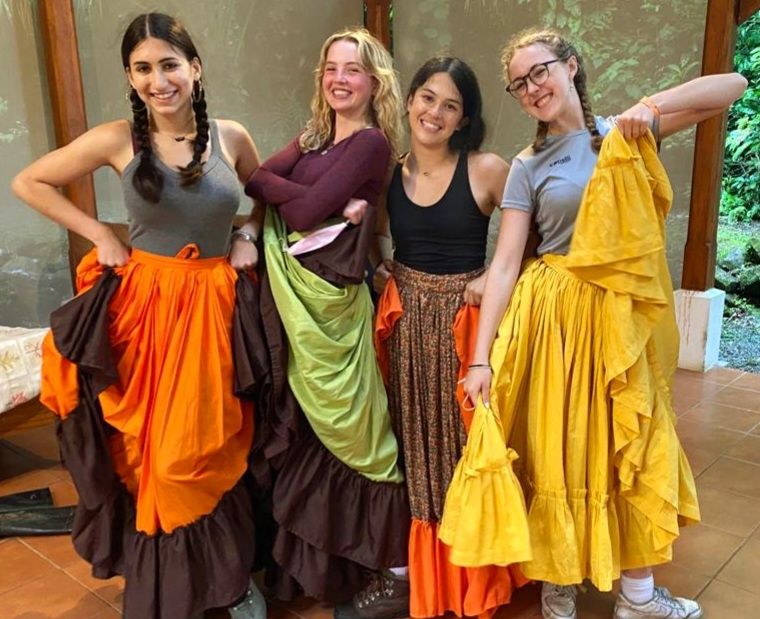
(422, 385)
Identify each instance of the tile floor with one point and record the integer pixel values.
(717, 561)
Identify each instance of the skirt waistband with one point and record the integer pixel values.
(187, 258)
(433, 282)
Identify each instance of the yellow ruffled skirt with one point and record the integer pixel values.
(576, 469)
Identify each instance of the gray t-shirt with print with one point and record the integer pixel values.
(550, 184)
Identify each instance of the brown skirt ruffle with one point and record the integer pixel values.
(329, 523)
(195, 567)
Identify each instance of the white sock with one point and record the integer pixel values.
(400, 572)
(637, 590)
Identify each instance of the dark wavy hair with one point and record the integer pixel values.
(148, 179)
(471, 135)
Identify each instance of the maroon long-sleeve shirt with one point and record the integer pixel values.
(309, 188)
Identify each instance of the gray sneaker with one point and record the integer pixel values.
(558, 601)
(253, 605)
(663, 604)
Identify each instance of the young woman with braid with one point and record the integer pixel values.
(574, 387)
(139, 366)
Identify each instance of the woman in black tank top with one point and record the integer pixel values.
(440, 198)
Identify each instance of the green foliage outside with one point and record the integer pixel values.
(740, 198)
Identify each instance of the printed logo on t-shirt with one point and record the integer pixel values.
(565, 159)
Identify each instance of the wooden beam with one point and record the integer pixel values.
(747, 8)
(378, 20)
(67, 101)
(700, 250)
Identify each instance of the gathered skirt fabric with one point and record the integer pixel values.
(139, 368)
(325, 457)
(576, 469)
(425, 350)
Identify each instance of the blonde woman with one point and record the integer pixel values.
(339, 500)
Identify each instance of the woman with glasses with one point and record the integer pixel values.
(577, 378)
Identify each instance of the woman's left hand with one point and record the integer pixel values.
(354, 210)
(243, 255)
(473, 292)
(635, 121)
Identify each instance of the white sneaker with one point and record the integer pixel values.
(558, 601)
(663, 604)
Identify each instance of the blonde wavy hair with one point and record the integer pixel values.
(563, 49)
(385, 105)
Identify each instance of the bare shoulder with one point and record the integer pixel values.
(232, 130)
(487, 164)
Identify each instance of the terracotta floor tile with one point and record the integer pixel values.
(27, 566)
(695, 385)
(40, 441)
(110, 591)
(682, 581)
(55, 597)
(699, 459)
(28, 481)
(743, 570)
(107, 613)
(720, 375)
(733, 513)
(723, 601)
(706, 436)
(728, 417)
(704, 550)
(684, 402)
(64, 493)
(756, 430)
(57, 549)
(741, 398)
(734, 475)
(748, 381)
(748, 449)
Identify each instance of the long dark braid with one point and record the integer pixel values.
(194, 170)
(562, 49)
(147, 180)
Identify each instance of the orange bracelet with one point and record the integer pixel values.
(651, 105)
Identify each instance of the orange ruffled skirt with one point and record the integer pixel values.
(181, 438)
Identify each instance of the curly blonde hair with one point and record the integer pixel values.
(564, 50)
(385, 104)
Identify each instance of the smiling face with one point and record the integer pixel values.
(550, 100)
(435, 110)
(162, 76)
(346, 84)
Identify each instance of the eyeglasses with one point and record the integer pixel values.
(538, 74)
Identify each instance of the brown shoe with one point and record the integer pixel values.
(386, 597)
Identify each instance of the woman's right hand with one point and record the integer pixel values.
(381, 275)
(111, 251)
(477, 384)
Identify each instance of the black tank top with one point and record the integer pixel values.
(446, 237)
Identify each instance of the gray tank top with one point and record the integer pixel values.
(200, 213)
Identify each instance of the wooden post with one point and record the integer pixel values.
(378, 20)
(747, 8)
(701, 241)
(67, 101)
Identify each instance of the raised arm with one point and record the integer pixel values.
(304, 207)
(38, 184)
(685, 105)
